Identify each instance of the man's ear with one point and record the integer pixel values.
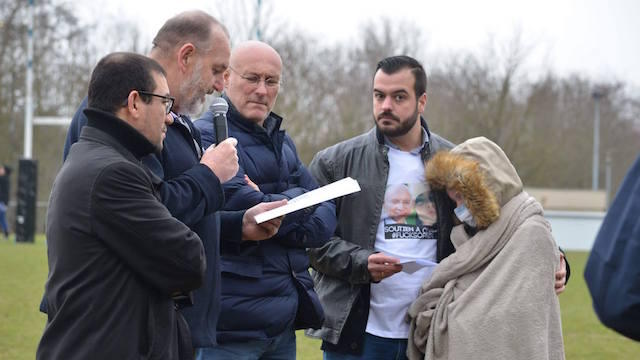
(134, 102)
(225, 77)
(185, 55)
(422, 103)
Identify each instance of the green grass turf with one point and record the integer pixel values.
(23, 271)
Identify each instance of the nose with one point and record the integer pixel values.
(262, 88)
(218, 83)
(386, 103)
(168, 119)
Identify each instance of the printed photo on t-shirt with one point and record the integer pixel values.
(409, 212)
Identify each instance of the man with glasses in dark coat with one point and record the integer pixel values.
(267, 292)
(117, 257)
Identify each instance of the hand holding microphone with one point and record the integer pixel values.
(219, 107)
(221, 157)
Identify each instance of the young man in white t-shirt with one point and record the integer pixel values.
(358, 273)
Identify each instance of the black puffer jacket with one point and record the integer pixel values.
(260, 280)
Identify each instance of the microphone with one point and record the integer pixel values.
(219, 108)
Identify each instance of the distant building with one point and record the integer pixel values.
(575, 215)
(569, 199)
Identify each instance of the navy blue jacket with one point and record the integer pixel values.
(613, 268)
(192, 194)
(73, 134)
(260, 279)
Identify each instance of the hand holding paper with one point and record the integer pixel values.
(381, 266)
(331, 191)
(411, 266)
(254, 231)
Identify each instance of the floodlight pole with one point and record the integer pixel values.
(28, 168)
(597, 95)
(607, 178)
(28, 111)
(257, 24)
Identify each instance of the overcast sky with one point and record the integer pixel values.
(598, 38)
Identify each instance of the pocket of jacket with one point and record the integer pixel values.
(249, 267)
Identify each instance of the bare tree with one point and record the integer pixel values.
(326, 95)
(545, 125)
(60, 73)
(64, 54)
(250, 20)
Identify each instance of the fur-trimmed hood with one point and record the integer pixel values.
(481, 172)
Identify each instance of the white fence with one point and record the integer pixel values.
(575, 230)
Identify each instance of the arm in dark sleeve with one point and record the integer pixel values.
(73, 134)
(612, 272)
(309, 227)
(566, 263)
(191, 195)
(313, 225)
(337, 257)
(231, 226)
(127, 216)
(239, 195)
(243, 195)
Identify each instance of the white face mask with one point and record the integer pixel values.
(463, 214)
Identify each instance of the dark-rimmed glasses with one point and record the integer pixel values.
(255, 79)
(166, 100)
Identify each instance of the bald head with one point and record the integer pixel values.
(254, 50)
(252, 81)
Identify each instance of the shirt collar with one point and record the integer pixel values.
(416, 151)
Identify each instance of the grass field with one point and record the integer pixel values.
(23, 270)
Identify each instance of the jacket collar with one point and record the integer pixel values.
(271, 124)
(122, 133)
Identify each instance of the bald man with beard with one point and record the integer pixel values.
(267, 292)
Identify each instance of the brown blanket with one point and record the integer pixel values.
(494, 297)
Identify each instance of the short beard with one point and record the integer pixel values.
(192, 106)
(405, 126)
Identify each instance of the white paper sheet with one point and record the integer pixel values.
(411, 266)
(336, 189)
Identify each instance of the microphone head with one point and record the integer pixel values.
(219, 106)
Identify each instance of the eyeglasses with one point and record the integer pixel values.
(166, 100)
(255, 79)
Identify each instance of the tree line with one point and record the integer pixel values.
(544, 123)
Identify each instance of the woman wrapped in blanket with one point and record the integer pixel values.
(494, 297)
